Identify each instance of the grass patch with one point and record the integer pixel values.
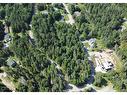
(125, 24)
(66, 17)
(93, 60)
(87, 45)
(117, 61)
(61, 11)
(100, 44)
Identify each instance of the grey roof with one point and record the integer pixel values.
(92, 40)
(77, 13)
(5, 46)
(45, 12)
(11, 62)
(7, 37)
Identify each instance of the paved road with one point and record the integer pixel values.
(71, 20)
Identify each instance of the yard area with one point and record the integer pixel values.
(104, 59)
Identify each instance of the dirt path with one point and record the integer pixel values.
(31, 34)
(71, 20)
(35, 9)
(2, 75)
(6, 82)
(73, 88)
(108, 88)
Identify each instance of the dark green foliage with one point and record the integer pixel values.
(39, 73)
(19, 16)
(3, 88)
(58, 5)
(100, 80)
(2, 14)
(118, 79)
(103, 21)
(1, 31)
(71, 8)
(2, 11)
(57, 15)
(122, 50)
(41, 7)
(61, 44)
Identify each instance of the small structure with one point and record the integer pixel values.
(92, 42)
(56, 9)
(77, 13)
(107, 65)
(7, 38)
(5, 46)
(11, 62)
(45, 12)
(103, 64)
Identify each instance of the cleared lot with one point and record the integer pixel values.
(103, 61)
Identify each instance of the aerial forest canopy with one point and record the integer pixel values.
(56, 56)
(104, 21)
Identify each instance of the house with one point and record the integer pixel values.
(106, 65)
(11, 62)
(5, 46)
(7, 39)
(103, 64)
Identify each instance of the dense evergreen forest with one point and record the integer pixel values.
(56, 57)
(55, 44)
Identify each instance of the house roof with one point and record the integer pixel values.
(45, 12)
(77, 13)
(11, 62)
(7, 37)
(92, 40)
